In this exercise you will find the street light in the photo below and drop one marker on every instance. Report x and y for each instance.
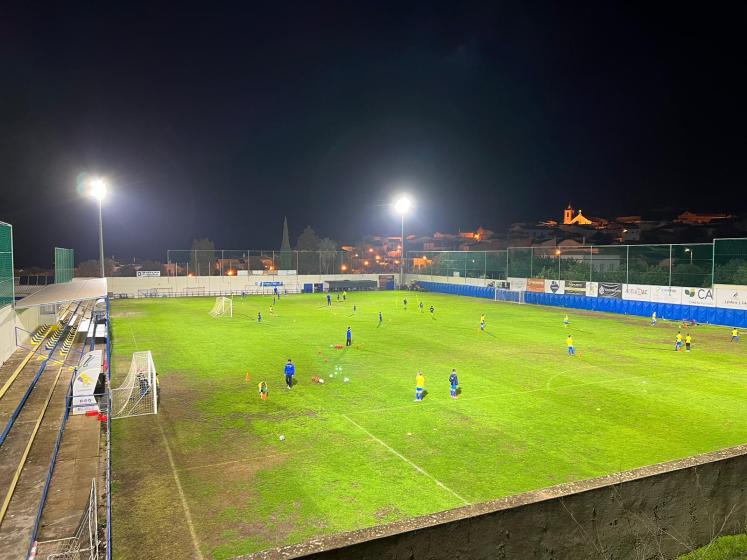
(402, 206)
(688, 250)
(97, 189)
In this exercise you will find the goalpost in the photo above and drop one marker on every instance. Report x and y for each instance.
(222, 306)
(138, 393)
(510, 296)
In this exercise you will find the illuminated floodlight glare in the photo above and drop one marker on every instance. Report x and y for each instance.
(403, 204)
(97, 189)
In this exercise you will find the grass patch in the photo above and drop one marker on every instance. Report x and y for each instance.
(528, 416)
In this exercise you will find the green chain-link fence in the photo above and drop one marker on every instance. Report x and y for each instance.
(7, 294)
(688, 265)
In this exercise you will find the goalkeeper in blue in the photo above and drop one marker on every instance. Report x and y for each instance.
(454, 383)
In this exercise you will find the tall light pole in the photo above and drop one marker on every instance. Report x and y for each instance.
(688, 250)
(97, 189)
(402, 206)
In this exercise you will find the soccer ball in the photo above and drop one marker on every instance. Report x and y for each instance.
(321, 381)
(346, 380)
(330, 376)
(282, 438)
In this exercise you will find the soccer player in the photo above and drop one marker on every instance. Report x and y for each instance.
(329, 299)
(355, 308)
(338, 296)
(482, 322)
(344, 295)
(263, 390)
(381, 319)
(420, 305)
(678, 342)
(419, 386)
(404, 301)
(290, 371)
(734, 335)
(569, 344)
(566, 322)
(275, 293)
(688, 341)
(432, 310)
(259, 316)
(272, 311)
(348, 337)
(454, 382)
(653, 319)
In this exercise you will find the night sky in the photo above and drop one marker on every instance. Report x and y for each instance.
(217, 122)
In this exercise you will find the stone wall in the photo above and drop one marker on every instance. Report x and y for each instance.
(657, 512)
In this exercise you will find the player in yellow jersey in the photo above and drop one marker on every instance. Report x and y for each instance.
(688, 342)
(678, 342)
(263, 390)
(419, 386)
(569, 344)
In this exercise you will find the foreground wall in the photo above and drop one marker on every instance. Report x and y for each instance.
(177, 284)
(658, 512)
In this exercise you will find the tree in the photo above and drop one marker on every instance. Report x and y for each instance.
(286, 256)
(328, 255)
(203, 257)
(308, 240)
(91, 268)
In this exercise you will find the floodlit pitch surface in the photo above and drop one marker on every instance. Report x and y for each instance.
(211, 473)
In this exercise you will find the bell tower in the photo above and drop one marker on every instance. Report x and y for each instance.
(568, 214)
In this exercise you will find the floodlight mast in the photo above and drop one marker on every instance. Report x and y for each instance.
(97, 189)
(402, 206)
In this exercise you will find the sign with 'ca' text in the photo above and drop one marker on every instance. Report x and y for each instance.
(554, 286)
(703, 297)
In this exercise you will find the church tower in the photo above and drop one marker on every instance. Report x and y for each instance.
(568, 215)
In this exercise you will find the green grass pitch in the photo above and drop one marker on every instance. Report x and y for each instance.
(210, 470)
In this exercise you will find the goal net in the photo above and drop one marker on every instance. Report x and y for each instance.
(83, 545)
(511, 296)
(138, 393)
(222, 306)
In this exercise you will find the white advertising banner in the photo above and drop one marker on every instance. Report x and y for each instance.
(591, 289)
(703, 297)
(732, 298)
(666, 294)
(148, 273)
(637, 292)
(87, 374)
(518, 284)
(554, 286)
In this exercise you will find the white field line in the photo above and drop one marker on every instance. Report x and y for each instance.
(405, 459)
(187, 514)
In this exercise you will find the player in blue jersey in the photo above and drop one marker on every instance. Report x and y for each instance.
(454, 383)
(290, 371)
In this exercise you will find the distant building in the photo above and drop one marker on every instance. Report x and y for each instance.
(692, 218)
(578, 219)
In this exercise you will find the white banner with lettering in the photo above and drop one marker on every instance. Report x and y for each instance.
(702, 297)
(637, 292)
(518, 284)
(666, 294)
(732, 298)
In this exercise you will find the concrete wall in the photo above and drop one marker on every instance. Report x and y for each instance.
(657, 512)
(463, 280)
(131, 286)
(27, 319)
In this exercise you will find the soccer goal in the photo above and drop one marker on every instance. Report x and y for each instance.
(511, 296)
(138, 394)
(222, 306)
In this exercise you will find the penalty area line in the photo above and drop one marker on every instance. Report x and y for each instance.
(405, 459)
(185, 507)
